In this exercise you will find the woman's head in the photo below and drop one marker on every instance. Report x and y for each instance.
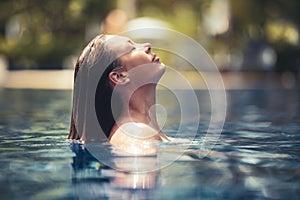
(118, 56)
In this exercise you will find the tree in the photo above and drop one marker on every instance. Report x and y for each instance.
(41, 33)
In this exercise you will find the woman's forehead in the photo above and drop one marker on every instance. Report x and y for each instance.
(116, 38)
(119, 44)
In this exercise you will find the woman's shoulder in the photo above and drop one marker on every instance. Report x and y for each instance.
(135, 138)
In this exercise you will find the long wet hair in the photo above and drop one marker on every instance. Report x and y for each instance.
(91, 56)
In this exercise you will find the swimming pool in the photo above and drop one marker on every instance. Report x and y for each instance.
(256, 157)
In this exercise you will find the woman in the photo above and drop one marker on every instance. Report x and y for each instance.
(125, 94)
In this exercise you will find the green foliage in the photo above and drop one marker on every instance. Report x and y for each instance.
(43, 32)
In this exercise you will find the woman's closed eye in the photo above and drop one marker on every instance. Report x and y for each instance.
(138, 48)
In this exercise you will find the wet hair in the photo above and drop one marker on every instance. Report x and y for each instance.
(99, 58)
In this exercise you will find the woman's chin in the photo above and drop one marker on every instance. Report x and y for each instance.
(162, 69)
(163, 66)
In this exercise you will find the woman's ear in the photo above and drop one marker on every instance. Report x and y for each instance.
(119, 78)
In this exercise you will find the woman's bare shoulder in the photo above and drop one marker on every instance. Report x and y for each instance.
(135, 138)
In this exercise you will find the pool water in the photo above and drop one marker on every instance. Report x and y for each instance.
(257, 156)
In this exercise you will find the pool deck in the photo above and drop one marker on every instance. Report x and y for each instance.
(63, 80)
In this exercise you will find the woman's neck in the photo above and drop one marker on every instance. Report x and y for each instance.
(140, 106)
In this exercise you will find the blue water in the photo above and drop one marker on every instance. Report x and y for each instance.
(257, 155)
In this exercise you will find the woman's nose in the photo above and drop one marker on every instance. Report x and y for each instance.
(147, 47)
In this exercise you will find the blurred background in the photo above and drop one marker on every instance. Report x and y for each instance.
(255, 43)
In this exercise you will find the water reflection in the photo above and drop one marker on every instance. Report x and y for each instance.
(253, 169)
(99, 180)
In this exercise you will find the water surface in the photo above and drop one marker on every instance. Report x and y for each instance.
(256, 157)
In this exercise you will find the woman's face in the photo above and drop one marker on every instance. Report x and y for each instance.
(137, 58)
